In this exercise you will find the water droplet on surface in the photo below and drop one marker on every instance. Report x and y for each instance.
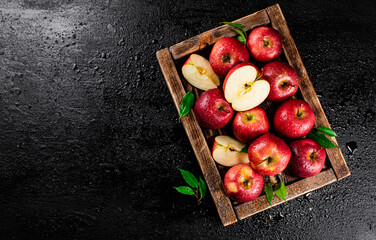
(352, 146)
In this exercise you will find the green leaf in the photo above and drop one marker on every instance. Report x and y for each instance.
(186, 104)
(327, 131)
(241, 39)
(202, 187)
(237, 25)
(189, 178)
(280, 190)
(243, 150)
(185, 190)
(269, 193)
(321, 139)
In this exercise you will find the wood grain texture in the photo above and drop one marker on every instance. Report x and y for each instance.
(197, 140)
(305, 86)
(208, 38)
(293, 190)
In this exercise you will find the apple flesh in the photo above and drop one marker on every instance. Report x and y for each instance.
(248, 125)
(225, 54)
(294, 119)
(269, 155)
(264, 43)
(244, 87)
(283, 80)
(212, 110)
(198, 72)
(226, 151)
(242, 183)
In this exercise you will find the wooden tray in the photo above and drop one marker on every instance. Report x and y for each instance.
(172, 58)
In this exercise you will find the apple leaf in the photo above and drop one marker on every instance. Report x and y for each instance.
(269, 193)
(327, 131)
(237, 25)
(189, 178)
(242, 38)
(202, 187)
(185, 190)
(186, 104)
(243, 150)
(280, 190)
(321, 139)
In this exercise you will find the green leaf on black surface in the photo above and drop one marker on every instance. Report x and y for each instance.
(186, 104)
(280, 190)
(243, 150)
(327, 131)
(202, 187)
(269, 193)
(237, 25)
(185, 190)
(321, 139)
(189, 178)
(242, 38)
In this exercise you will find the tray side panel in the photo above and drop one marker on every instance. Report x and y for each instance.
(293, 190)
(207, 38)
(197, 140)
(305, 85)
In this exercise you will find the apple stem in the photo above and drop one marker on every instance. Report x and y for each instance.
(314, 154)
(300, 111)
(220, 108)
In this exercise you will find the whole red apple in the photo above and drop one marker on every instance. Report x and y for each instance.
(264, 43)
(242, 183)
(294, 118)
(226, 53)
(269, 155)
(307, 158)
(212, 110)
(248, 125)
(283, 80)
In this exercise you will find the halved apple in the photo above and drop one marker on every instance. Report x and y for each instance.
(226, 151)
(244, 87)
(198, 72)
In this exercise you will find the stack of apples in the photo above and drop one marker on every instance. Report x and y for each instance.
(245, 87)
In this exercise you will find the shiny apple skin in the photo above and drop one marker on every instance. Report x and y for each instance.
(307, 159)
(265, 147)
(287, 121)
(256, 44)
(211, 109)
(236, 189)
(248, 125)
(225, 54)
(283, 80)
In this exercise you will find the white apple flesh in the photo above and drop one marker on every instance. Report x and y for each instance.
(244, 88)
(198, 72)
(226, 151)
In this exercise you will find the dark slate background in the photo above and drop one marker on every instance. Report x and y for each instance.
(89, 138)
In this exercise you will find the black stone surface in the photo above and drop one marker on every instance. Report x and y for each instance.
(89, 138)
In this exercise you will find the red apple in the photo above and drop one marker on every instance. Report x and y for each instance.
(226, 151)
(198, 72)
(244, 87)
(242, 183)
(283, 80)
(307, 158)
(248, 125)
(294, 118)
(226, 53)
(269, 155)
(212, 110)
(264, 43)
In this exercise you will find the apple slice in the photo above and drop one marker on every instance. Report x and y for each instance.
(198, 72)
(226, 151)
(244, 87)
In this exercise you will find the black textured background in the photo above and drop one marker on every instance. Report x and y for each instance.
(89, 138)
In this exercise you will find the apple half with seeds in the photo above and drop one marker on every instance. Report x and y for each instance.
(198, 72)
(226, 151)
(245, 87)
